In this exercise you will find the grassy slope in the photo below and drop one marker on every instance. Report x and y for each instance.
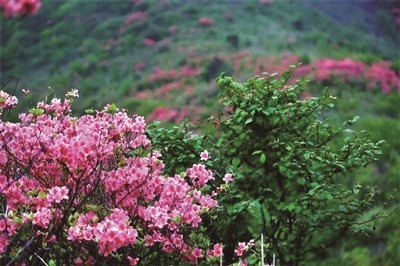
(63, 46)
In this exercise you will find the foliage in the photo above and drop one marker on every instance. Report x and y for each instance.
(290, 180)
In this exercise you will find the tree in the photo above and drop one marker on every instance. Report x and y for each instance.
(290, 167)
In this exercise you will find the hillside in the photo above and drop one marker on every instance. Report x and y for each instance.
(160, 59)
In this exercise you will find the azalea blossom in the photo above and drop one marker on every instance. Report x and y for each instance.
(228, 178)
(204, 156)
(57, 194)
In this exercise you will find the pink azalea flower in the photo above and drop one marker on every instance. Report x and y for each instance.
(204, 155)
(57, 194)
(228, 178)
(240, 249)
(42, 217)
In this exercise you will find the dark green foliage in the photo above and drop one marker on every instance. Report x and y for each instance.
(233, 40)
(290, 180)
(280, 150)
(216, 66)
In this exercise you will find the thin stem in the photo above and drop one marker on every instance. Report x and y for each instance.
(262, 249)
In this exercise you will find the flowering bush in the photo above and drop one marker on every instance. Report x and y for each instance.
(90, 189)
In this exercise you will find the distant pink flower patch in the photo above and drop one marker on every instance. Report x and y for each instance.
(206, 21)
(140, 66)
(189, 71)
(380, 75)
(143, 95)
(266, 2)
(13, 8)
(395, 11)
(135, 17)
(149, 42)
(160, 75)
(163, 113)
(171, 86)
(303, 70)
(346, 68)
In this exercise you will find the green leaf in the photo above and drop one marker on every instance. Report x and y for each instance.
(89, 111)
(262, 158)
(275, 120)
(36, 111)
(248, 120)
(42, 195)
(112, 108)
(235, 161)
(301, 180)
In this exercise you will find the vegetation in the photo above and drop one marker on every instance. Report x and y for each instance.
(307, 173)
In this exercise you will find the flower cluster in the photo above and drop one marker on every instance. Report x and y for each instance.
(92, 181)
(243, 246)
(7, 101)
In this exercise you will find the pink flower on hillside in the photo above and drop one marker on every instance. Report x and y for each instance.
(163, 113)
(205, 21)
(14, 8)
(57, 194)
(140, 66)
(204, 156)
(149, 42)
(266, 2)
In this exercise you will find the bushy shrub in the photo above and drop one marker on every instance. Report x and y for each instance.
(91, 190)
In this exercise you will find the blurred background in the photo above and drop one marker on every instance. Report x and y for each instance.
(160, 59)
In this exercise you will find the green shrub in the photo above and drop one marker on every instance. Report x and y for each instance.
(288, 176)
